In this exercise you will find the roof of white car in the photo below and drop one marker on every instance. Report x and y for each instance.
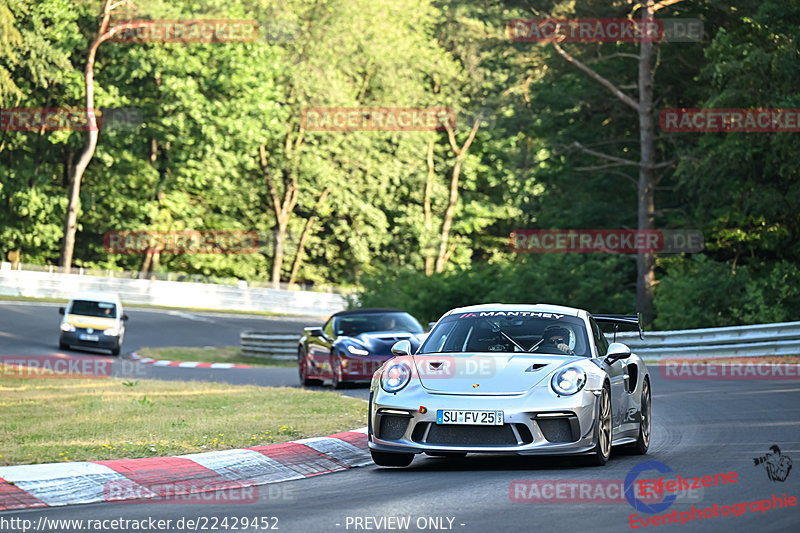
(541, 308)
(97, 296)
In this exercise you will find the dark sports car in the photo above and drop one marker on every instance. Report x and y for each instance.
(352, 345)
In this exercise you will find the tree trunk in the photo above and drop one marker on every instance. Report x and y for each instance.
(298, 258)
(71, 219)
(447, 222)
(426, 208)
(283, 206)
(645, 262)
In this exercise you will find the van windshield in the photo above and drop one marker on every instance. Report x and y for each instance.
(90, 308)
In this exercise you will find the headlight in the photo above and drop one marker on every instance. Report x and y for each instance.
(113, 332)
(67, 327)
(356, 351)
(568, 381)
(395, 376)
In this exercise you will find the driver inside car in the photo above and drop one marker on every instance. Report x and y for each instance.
(556, 338)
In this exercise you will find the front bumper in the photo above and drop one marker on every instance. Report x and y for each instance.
(537, 422)
(106, 342)
(361, 368)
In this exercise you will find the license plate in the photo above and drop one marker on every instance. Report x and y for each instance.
(85, 337)
(469, 418)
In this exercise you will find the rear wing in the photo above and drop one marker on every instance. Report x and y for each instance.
(624, 320)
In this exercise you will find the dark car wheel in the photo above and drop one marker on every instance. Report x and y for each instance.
(645, 425)
(391, 459)
(63, 345)
(603, 431)
(116, 350)
(302, 368)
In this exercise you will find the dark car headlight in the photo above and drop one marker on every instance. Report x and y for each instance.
(568, 381)
(395, 376)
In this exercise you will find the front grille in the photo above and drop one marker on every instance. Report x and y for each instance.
(461, 435)
(558, 429)
(392, 427)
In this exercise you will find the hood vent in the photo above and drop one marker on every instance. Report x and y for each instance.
(534, 367)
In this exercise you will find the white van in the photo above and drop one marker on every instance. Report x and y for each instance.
(94, 320)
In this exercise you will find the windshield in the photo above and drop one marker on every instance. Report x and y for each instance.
(92, 308)
(509, 331)
(352, 325)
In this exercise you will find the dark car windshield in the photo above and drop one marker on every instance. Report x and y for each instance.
(92, 308)
(352, 325)
(509, 331)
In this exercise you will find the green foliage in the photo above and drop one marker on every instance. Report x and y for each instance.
(207, 108)
(593, 282)
(705, 293)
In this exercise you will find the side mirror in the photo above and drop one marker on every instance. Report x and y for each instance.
(314, 332)
(617, 351)
(61, 310)
(124, 317)
(401, 348)
(430, 325)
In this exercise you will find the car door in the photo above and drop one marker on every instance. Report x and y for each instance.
(319, 351)
(617, 375)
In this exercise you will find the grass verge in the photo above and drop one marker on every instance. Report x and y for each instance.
(216, 354)
(53, 420)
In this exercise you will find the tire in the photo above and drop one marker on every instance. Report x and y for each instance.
(642, 444)
(302, 370)
(336, 370)
(604, 429)
(391, 459)
(63, 345)
(115, 351)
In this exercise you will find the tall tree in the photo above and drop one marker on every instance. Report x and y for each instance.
(645, 261)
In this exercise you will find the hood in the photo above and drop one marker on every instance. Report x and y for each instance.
(95, 322)
(507, 373)
(381, 342)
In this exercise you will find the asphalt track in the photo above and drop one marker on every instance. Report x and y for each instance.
(700, 428)
(32, 329)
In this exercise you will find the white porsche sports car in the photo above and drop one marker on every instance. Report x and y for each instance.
(502, 378)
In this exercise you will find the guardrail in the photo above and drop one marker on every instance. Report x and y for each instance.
(760, 340)
(269, 345)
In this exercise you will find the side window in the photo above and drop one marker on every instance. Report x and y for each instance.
(327, 329)
(599, 339)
